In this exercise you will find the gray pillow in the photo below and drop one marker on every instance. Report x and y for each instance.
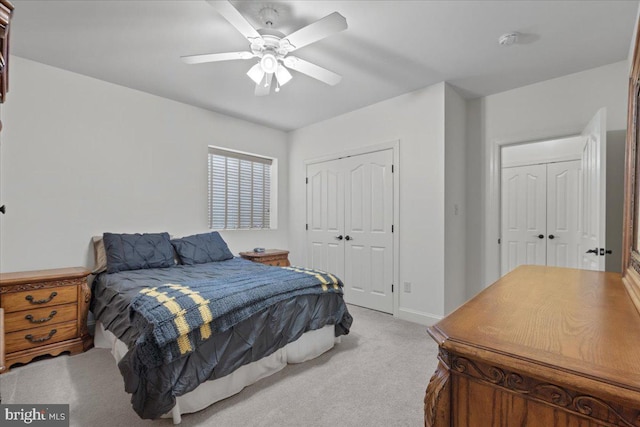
(201, 248)
(137, 251)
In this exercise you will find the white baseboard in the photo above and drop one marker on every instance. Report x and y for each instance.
(417, 316)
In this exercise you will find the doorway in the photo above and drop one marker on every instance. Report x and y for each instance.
(553, 201)
(540, 215)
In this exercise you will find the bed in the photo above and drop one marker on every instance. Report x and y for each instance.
(189, 324)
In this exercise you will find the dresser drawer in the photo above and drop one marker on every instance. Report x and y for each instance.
(43, 335)
(17, 301)
(43, 316)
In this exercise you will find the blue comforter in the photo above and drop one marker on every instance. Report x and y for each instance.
(176, 318)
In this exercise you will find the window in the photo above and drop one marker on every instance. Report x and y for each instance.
(239, 190)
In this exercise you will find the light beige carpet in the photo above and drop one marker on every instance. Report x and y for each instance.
(376, 377)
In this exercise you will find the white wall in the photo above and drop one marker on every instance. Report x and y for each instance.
(417, 120)
(546, 110)
(82, 156)
(454, 200)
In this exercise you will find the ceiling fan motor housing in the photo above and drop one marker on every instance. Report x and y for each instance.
(270, 41)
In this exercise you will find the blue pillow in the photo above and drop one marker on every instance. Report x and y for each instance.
(137, 251)
(201, 248)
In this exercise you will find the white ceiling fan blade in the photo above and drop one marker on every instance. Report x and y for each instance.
(236, 19)
(320, 29)
(264, 87)
(215, 57)
(312, 70)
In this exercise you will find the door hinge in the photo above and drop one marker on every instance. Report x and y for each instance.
(392, 228)
(306, 180)
(392, 288)
(499, 241)
(391, 168)
(306, 226)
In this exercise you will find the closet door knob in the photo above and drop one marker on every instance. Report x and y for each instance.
(339, 237)
(348, 238)
(540, 236)
(551, 236)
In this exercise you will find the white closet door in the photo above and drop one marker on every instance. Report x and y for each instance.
(325, 217)
(524, 216)
(593, 194)
(562, 214)
(349, 220)
(368, 221)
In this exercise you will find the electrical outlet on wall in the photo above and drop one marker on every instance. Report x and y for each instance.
(407, 287)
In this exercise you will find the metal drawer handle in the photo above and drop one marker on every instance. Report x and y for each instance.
(44, 319)
(40, 301)
(31, 339)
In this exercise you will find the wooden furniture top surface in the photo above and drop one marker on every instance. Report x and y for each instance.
(267, 252)
(22, 277)
(576, 321)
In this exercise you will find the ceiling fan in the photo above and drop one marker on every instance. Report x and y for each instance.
(273, 48)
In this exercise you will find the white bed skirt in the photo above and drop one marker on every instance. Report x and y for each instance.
(309, 346)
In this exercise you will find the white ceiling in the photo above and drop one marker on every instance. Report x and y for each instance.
(390, 48)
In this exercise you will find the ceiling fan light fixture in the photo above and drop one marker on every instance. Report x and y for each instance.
(283, 75)
(256, 73)
(269, 63)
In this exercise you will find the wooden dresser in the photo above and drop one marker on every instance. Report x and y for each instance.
(544, 347)
(45, 312)
(2, 363)
(277, 257)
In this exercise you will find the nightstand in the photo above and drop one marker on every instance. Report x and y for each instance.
(277, 257)
(45, 312)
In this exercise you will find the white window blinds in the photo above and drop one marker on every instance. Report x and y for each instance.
(239, 190)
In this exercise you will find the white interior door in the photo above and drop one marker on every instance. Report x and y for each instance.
(349, 220)
(325, 217)
(592, 194)
(524, 216)
(368, 236)
(562, 214)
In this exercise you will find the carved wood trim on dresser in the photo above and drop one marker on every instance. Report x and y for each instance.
(45, 312)
(543, 346)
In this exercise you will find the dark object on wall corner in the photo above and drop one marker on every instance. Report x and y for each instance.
(6, 12)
